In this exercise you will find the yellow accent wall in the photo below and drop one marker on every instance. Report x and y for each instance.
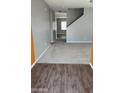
(32, 49)
(92, 55)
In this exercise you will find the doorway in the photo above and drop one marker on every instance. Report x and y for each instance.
(61, 29)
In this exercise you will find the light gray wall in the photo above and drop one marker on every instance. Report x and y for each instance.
(82, 29)
(40, 17)
(52, 26)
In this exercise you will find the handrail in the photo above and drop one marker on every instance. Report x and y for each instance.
(75, 19)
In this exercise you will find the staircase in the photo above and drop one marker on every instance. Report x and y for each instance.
(80, 28)
(73, 14)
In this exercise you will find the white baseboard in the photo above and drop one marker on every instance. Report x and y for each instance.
(40, 56)
(91, 65)
(79, 41)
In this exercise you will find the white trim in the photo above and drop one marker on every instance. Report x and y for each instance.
(91, 65)
(79, 41)
(40, 56)
(61, 17)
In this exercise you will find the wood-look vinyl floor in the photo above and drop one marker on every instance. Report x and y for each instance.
(61, 78)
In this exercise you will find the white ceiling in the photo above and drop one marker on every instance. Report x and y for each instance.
(63, 5)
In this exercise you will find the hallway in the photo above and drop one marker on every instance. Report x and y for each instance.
(67, 53)
(62, 36)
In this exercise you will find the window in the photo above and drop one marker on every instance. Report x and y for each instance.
(63, 25)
